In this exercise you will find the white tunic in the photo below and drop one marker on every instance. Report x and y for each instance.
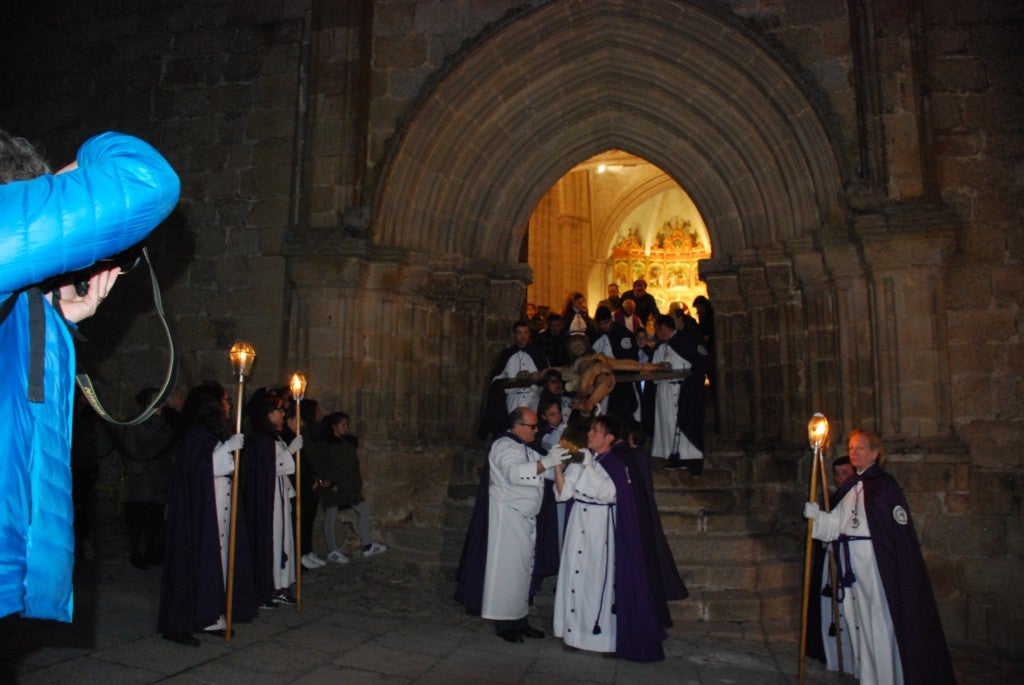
(519, 397)
(223, 467)
(586, 576)
(667, 436)
(876, 657)
(842, 626)
(284, 531)
(515, 495)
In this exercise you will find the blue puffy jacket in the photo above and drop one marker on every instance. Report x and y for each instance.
(51, 225)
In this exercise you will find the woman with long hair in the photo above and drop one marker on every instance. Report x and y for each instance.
(193, 596)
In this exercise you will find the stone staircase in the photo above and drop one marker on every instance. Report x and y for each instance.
(736, 534)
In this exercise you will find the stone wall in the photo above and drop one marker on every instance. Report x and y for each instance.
(873, 272)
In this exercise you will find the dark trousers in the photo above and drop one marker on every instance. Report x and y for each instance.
(310, 503)
(145, 523)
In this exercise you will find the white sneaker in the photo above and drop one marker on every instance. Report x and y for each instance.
(375, 548)
(317, 559)
(338, 557)
(308, 561)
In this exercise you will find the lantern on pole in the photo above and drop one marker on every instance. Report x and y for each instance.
(298, 388)
(242, 356)
(817, 436)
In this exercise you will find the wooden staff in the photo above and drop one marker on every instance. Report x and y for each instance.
(298, 510)
(817, 431)
(811, 497)
(242, 357)
(234, 514)
(298, 387)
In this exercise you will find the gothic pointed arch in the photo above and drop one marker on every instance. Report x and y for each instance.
(673, 83)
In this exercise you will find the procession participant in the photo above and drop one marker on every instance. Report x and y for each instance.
(822, 626)
(519, 360)
(193, 593)
(616, 573)
(678, 422)
(615, 340)
(498, 559)
(896, 631)
(269, 461)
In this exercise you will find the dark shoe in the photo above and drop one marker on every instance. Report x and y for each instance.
(182, 639)
(674, 462)
(268, 605)
(510, 636)
(530, 631)
(284, 598)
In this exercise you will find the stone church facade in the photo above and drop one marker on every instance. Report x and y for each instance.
(358, 178)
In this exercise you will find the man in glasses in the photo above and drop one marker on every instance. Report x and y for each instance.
(512, 489)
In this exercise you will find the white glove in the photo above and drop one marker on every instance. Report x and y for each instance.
(295, 445)
(556, 455)
(235, 442)
(811, 510)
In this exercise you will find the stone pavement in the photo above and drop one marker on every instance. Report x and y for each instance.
(371, 621)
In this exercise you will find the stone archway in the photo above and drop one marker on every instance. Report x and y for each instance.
(689, 91)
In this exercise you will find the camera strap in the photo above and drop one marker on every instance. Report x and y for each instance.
(85, 383)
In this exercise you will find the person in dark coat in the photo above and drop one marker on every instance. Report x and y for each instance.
(341, 485)
(193, 594)
(895, 627)
(646, 305)
(552, 341)
(146, 449)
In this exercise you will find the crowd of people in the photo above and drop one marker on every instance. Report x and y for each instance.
(176, 489)
(592, 523)
(627, 334)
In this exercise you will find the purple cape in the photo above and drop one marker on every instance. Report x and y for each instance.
(192, 594)
(908, 591)
(259, 473)
(645, 575)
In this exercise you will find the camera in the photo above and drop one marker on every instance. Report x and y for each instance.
(126, 261)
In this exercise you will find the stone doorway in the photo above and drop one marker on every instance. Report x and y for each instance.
(696, 96)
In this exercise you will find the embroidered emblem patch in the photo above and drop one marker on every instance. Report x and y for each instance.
(900, 514)
(627, 343)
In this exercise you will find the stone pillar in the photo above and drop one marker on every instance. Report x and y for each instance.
(732, 347)
(907, 253)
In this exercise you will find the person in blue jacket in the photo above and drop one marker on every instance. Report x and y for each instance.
(116, 191)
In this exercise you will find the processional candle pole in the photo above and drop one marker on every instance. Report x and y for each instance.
(817, 436)
(298, 388)
(242, 357)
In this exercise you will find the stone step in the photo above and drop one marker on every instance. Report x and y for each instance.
(740, 576)
(738, 606)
